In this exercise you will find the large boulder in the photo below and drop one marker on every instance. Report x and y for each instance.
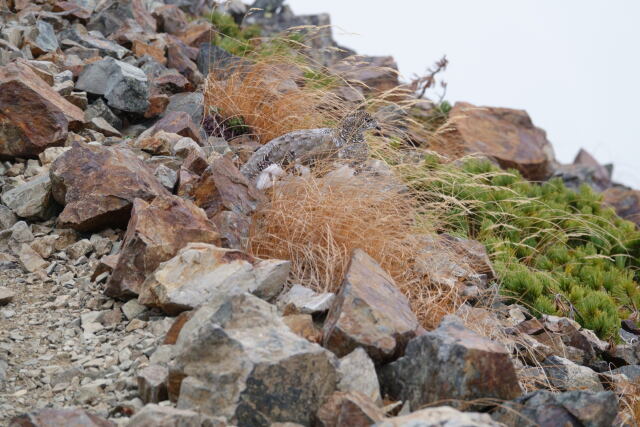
(237, 359)
(33, 116)
(440, 416)
(369, 312)
(31, 200)
(201, 272)
(155, 233)
(124, 86)
(451, 362)
(625, 201)
(97, 186)
(573, 408)
(504, 134)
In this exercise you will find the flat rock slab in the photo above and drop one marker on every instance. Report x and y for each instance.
(97, 186)
(504, 134)
(451, 362)
(33, 116)
(155, 233)
(369, 312)
(202, 272)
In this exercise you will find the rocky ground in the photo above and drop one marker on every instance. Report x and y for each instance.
(127, 296)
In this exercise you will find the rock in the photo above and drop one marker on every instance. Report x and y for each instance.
(372, 73)
(174, 122)
(114, 14)
(190, 103)
(222, 187)
(21, 233)
(132, 309)
(31, 200)
(233, 229)
(357, 372)
(505, 134)
(566, 375)
(78, 33)
(625, 201)
(124, 86)
(170, 19)
(101, 192)
(181, 57)
(451, 362)
(369, 312)
(152, 383)
(50, 154)
(157, 105)
(166, 176)
(7, 218)
(300, 299)
(573, 408)
(60, 417)
(79, 248)
(201, 272)
(348, 409)
(153, 415)
(155, 233)
(214, 59)
(32, 115)
(30, 259)
(6, 296)
(100, 109)
(440, 416)
(632, 372)
(41, 38)
(303, 326)
(238, 360)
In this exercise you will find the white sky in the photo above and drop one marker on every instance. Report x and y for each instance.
(574, 65)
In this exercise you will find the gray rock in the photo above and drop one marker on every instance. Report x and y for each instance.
(573, 408)
(132, 309)
(153, 415)
(6, 296)
(212, 58)
(166, 176)
(188, 102)
(21, 232)
(451, 362)
(238, 360)
(31, 200)
(79, 34)
(441, 416)
(114, 14)
(41, 38)
(152, 383)
(124, 86)
(79, 248)
(630, 371)
(30, 259)
(566, 375)
(201, 272)
(100, 109)
(7, 218)
(357, 372)
(305, 300)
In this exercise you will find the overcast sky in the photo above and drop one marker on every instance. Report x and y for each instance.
(574, 65)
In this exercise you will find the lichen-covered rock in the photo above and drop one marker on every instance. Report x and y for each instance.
(504, 134)
(202, 272)
(238, 360)
(572, 408)
(155, 233)
(97, 186)
(32, 115)
(124, 86)
(451, 362)
(369, 312)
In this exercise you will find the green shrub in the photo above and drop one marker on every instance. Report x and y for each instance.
(559, 251)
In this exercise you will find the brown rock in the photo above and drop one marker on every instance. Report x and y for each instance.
(302, 325)
(72, 9)
(369, 312)
(177, 122)
(33, 116)
(222, 187)
(233, 229)
(157, 105)
(182, 58)
(60, 417)
(106, 265)
(351, 409)
(155, 233)
(625, 201)
(451, 363)
(170, 19)
(171, 83)
(141, 48)
(196, 33)
(373, 73)
(507, 135)
(97, 186)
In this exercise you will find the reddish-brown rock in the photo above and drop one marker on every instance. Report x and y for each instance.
(350, 409)
(369, 312)
(373, 73)
(222, 187)
(155, 233)
(157, 105)
(177, 122)
(141, 48)
(97, 186)
(504, 134)
(171, 83)
(32, 115)
(197, 33)
(625, 201)
(72, 9)
(170, 19)
(182, 58)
